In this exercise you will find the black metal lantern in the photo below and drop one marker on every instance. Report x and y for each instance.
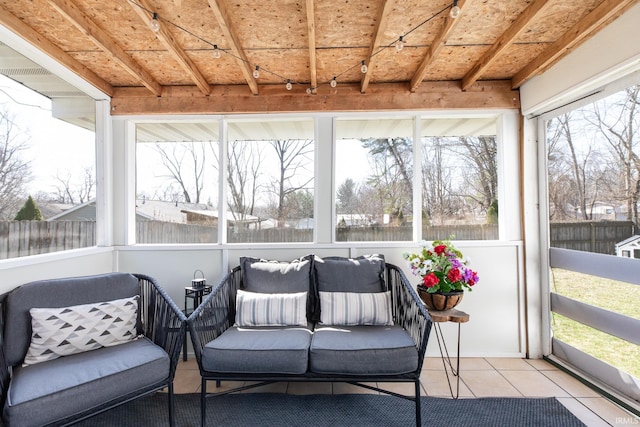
(198, 282)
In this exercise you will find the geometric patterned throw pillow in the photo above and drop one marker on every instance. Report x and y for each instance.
(349, 308)
(69, 330)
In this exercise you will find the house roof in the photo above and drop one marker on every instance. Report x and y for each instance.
(474, 60)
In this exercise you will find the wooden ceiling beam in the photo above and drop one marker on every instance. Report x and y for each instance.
(18, 26)
(437, 45)
(503, 42)
(381, 26)
(583, 29)
(311, 35)
(166, 38)
(101, 39)
(235, 99)
(223, 17)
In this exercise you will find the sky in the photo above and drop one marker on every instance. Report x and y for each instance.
(58, 148)
(54, 147)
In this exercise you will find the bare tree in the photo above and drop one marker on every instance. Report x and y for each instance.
(437, 183)
(293, 156)
(391, 162)
(15, 172)
(184, 162)
(68, 190)
(243, 172)
(619, 124)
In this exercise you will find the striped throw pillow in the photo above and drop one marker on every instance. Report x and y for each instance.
(260, 309)
(350, 308)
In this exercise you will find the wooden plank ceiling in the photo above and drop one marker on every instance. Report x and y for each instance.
(204, 54)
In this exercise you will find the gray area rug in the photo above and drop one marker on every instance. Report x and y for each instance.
(279, 410)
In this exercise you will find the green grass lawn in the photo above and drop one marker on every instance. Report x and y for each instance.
(611, 295)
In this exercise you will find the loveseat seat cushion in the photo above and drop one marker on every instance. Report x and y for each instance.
(362, 350)
(273, 350)
(56, 389)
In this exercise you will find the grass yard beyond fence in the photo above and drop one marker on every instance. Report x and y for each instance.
(620, 297)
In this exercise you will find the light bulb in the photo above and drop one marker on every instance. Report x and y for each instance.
(289, 86)
(363, 68)
(154, 24)
(256, 72)
(334, 82)
(400, 44)
(309, 91)
(455, 10)
(216, 51)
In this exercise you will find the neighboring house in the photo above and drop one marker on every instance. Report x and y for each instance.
(354, 220)
(629, 248)
(209, 217)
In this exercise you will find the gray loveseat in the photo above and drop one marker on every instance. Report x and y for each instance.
(313, 319)
(74, 347)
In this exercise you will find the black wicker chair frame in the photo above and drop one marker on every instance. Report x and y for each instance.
(161, 321)
(217, 313)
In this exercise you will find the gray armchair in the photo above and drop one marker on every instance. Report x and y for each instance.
(77, 386)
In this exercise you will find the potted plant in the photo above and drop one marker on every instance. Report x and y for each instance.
(445, 273)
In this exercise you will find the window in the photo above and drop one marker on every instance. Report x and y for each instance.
(459, 178)
(270, 181)
(594, 174)
(177, 182)
(47, 170)
(374, 179)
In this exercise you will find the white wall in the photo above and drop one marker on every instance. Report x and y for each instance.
(78, 262)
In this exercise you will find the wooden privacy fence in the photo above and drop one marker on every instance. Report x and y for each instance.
(590, 236)
(23, 238)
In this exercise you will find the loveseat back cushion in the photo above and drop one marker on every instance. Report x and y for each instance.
(47, 392)
(264, 350)
(57, 293)
(261, 309)
(260, 275)
(362, 274)
(362, 350)
(356, 308)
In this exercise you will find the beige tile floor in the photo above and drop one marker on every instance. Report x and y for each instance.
(480, 377)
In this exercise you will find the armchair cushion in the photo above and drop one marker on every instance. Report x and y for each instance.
(361, 274)
(362, 350)
(57, 293)
(355, 308)
(57, 388)
(276, 350)
(258, 309)
(69, 330)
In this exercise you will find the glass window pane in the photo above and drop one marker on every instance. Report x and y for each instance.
(270, 180)
(593, 175)
(374, 179)
(177, 182)
(459, 179)
(47, 170)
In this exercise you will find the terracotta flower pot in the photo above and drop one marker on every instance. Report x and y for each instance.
(440, 301)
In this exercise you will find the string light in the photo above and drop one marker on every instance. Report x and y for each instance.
(216, 51)
(455, 10)
(154, 24)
